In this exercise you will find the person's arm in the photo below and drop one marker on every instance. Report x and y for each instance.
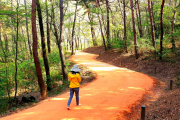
(69, 76)
(79, 78)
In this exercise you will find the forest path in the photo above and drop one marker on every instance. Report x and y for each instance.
(106, 98)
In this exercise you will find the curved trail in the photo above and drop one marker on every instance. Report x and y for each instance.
(114, 90)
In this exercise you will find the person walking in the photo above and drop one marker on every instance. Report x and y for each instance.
(75, 79)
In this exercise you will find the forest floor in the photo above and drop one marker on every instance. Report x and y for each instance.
(164, 103)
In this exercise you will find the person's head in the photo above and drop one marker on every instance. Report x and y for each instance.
(75, 69)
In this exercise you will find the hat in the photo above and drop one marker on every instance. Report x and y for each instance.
(75, 68)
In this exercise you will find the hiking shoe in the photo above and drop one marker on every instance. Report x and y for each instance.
(79, 105)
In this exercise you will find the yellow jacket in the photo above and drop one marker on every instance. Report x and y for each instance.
(74, 80)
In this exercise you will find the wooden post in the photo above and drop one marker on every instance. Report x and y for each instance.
(171, 81)
(155, 70)
(143, 112)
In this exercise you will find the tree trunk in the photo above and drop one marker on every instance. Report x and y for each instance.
(147, 22)
(93, 33)
(12, 29)
(73, 29)
(172, 30)
(79, 33)
(54, 23)
(46, 64)
(48, 31)
(141, 31)
(108, 32)
(27, 30)
(35, 53)
(124, 20)
(134, 32)
(91, 22)
(17, 30)
(104, 42)
(152, 24)
(161, 26)
(125, 36)
(137, 16)
(63, 66)
(51, 22)
(75, 44)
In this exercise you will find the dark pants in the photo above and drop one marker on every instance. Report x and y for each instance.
(72, 90)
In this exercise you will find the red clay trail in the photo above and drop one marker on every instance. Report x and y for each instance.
(114, 90)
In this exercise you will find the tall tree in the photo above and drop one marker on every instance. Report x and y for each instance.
(172, 25)
(140, 23)
(27, 30)
(46, 64)
(108, 28)
(17, 37)
(124, 20)
(54, 22)
(48, 31)
(63, 66)
(151, 23)
(74, 23)
(91, 24)
(161, 26)
(59, 42)
(125, 36)
(35, 53)
(98, 7)
(134, 31)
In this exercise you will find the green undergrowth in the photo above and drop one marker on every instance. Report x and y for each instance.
(146, 49)
(27, 78)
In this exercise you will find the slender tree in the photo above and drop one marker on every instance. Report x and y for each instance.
(104, 42)
(172, 26)
(63, 66)
(124, 20)
(46, 64)
(74, 23)
(151, 23)
(134, 31)
(27, 30)
(35, 53)
(140, 23)
(17, 37)
(12, 28)
(54, 22)
(48, 31)
(161, 26)
(125, 36)
(108, 28)
(59, 42)
(91, 24)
